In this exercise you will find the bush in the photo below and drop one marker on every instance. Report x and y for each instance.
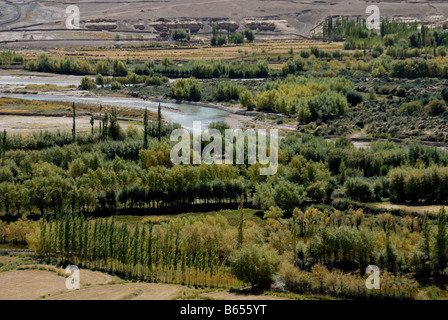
(87, 83)
(354, 97)
(187, 89)
(359, 189)
(100, 80)
(445, 93)
(180, 35)
(247, 99)
(317, 191)
(436, 107)
(120, 68)
(249, 34)
(255, 265)
(115, 85)
(237, 37)
(411, 107)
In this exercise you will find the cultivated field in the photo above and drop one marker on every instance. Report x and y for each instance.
(48, 282)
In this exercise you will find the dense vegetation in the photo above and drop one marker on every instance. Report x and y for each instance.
(316, 223)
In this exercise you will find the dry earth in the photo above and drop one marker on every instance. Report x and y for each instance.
(410, 208)
(38, 284)
(29, 124)
(30, 284)
(31, 23)
(223, 295)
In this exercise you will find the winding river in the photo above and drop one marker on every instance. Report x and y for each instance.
(181, 113)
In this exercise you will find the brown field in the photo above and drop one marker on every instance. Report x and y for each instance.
(29, 284)
(37, 284)
(197, 52)
(42, 283)
(421, 209)
(223, 295)
(129, 291)
(22, 124)
(6, 259)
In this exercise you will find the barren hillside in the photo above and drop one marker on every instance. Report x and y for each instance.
(35, 23)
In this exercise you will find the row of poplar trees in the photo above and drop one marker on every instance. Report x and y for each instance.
(141, 254)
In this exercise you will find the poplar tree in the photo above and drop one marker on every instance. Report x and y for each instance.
(441, 241)
(114, 128)
(92, 122)
(4, 144)
(145, 129)
(426, 234)
(240, 225)
(74, 122)
(159, 122)
(101, 109)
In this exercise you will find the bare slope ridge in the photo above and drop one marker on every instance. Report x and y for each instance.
(43, 23)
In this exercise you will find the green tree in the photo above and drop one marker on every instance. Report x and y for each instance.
(92, 122)
(145, 129)
(114, 127)
(440, 244)
(255, 265)
(180, 35)
(247, 99)
(273, 213)
(74, 122)
(436, 107)
(120, 68)
(159, 122)
(87, 83)
(3, 144)
(249, 34)
(100, 80)
(240, 225)
(426, 238)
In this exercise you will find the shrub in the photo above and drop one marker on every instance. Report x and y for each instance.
(436, 107)
(411, 107)
(255, 265)
(180, 35)
(115, 85)
(100, 80)
(120, 68)
(247, 99)
(87, 83)
(359, 189)
(354, 97)
(237, 37)
(187, 89)
(317, 191)
(249, 34)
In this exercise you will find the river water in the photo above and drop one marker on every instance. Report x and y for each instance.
(184, 114)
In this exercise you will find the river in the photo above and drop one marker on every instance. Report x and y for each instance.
(181, 113)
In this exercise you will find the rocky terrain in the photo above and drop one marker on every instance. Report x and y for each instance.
(40, 24)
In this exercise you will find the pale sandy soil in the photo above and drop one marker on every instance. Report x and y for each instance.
(410, 208)
(129, 291)
(28, 124)
(29, 284)
(223, 295)
(6, 259)
(38, 284)
(87, 277)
